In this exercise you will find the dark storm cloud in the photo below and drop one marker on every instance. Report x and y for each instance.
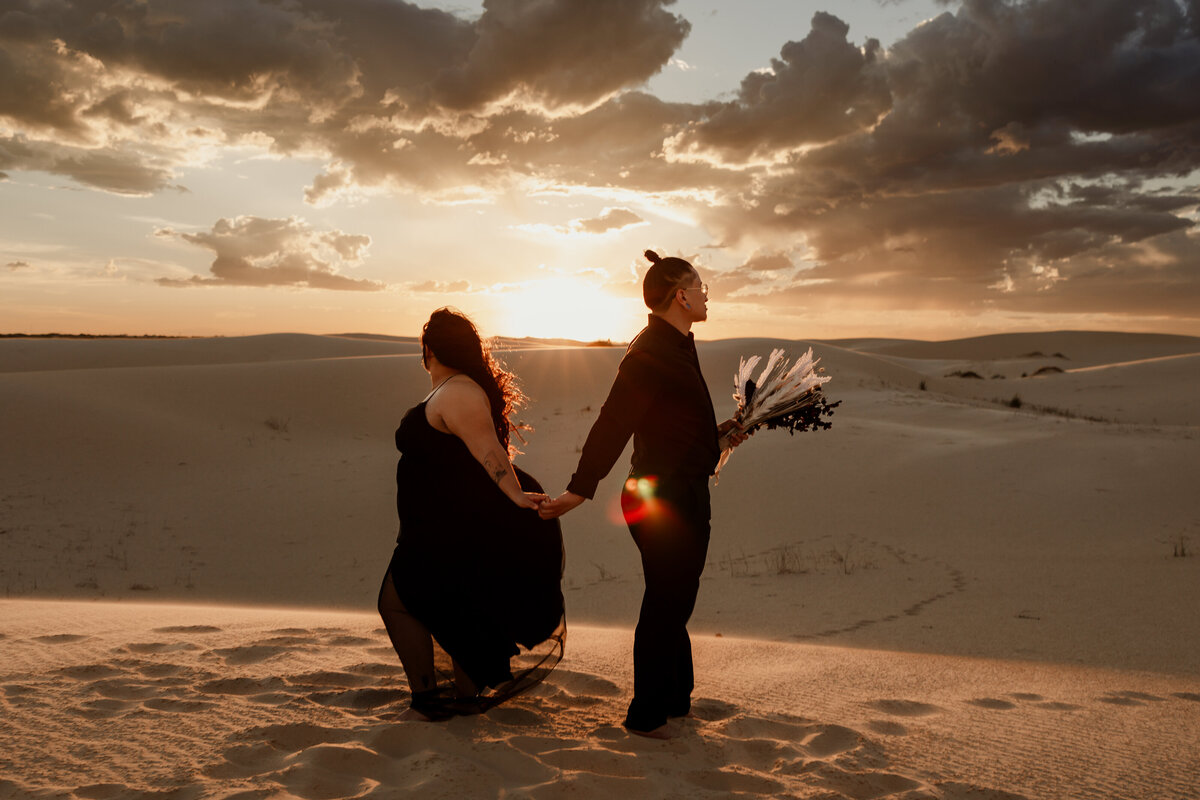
(1013, 168)
(819, 88)
(251, 251)
(381, 84)
(562, 52)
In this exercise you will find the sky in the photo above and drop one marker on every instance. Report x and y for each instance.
(903, 168)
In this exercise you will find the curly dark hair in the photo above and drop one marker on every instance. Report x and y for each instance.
(453, 339)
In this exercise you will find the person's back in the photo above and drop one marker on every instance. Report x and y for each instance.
(660, 398)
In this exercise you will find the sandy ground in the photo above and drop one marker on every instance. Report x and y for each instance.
(943, 596)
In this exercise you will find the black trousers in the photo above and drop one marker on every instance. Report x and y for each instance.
(669, 521)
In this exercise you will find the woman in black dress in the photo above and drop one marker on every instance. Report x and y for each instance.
(474, 568)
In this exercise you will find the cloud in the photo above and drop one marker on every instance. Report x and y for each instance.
(561, 52)
(453, 287)
(610, 219)
(819, 89)
(15, 265)
(1049, 146)
(383, 85)
(118, 170)
(251, 251)
(1008, 156)
(762, 271)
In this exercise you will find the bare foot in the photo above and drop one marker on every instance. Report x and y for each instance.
(412, 714)
(661, 732)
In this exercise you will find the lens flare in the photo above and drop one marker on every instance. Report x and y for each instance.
(637, 501)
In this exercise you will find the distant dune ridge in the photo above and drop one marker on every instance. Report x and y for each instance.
(967, 588)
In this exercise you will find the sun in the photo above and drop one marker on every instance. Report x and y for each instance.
(564, 308)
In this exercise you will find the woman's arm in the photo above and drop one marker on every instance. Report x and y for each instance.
(463, 408)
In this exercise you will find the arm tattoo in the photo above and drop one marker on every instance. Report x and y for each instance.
(496, 466)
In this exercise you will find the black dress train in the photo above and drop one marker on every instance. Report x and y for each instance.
(481, 574)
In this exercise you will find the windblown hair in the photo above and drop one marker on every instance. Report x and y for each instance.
(452, 338)
(662, 279)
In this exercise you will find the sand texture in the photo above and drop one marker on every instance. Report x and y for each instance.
(971, 587)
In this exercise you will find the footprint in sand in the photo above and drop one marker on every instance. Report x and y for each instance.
(271, 698)
(240, 686)
(515, 716)
(712, 710)
(1053, 705)
(781, 728)
(188, 629)
(287, 641)
(293, 737)
(248, 654)
(581, 683)
(951, 790)
(992, 703)
(154, 648)
(60, 638)
(359, 699)
(335, 770)
(104, 708)
(536, 745)
(159, 670)
(341, 680)
(1130, 698)
(122, 689)
(595, 761)
(854, 784)
(904, 708)
(376, 670)
(348, 640)
(175, 705)
(887, 727)
(91, 672)
(831, 740)
(728, 781)
(247, 761)
(381, 652)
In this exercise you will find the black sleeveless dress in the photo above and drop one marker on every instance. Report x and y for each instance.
(482, 575)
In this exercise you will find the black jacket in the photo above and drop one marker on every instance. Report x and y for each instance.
(660, 398)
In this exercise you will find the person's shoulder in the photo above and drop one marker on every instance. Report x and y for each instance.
(459, 391)
(641, 359)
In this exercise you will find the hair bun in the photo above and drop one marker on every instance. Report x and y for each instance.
(653, 256)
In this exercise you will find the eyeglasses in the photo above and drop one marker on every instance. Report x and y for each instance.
(702, 287)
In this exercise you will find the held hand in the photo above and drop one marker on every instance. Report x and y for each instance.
(531, 500)
(732, 434)
(560, 505)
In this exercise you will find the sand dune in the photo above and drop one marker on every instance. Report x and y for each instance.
(1077, 347)
(21, 355)
(231, 702)
(943, 596)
